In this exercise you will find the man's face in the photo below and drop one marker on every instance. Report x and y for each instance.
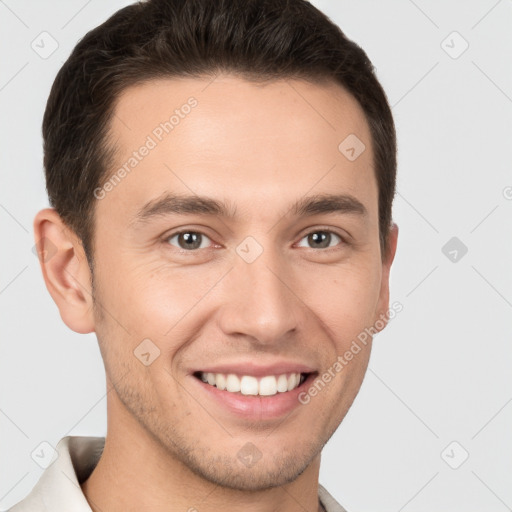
(260, 291)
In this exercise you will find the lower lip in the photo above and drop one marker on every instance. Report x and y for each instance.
(255, 407)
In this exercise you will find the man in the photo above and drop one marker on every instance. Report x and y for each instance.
(221, 175)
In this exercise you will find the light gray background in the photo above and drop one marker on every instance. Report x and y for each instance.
(440, 372)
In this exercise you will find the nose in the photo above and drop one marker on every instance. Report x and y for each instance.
(260, 301)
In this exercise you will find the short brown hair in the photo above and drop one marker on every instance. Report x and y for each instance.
(255, 39)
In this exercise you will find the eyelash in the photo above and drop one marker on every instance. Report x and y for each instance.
(343, 241)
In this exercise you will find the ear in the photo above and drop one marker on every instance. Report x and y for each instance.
(383, 303)
(65, 270)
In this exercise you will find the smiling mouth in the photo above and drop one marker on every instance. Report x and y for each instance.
(268, 385)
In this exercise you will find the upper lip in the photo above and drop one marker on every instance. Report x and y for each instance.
(251, 368)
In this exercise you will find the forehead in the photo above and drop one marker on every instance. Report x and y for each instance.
(239, 140)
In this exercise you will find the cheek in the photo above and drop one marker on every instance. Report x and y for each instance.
(149, 299)
(153, 299)
(345, 299)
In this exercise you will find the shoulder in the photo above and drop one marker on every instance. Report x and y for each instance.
(329, 503)
(58, 489)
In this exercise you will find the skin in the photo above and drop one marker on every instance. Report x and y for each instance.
(259, 148)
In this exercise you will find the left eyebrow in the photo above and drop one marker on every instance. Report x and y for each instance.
(169, 204)
(329, 203)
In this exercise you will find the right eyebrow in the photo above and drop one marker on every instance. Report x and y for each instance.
(169, 204)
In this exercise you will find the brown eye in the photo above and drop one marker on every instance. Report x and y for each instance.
(321, 239)
(189, 240)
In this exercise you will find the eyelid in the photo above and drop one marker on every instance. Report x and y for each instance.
(344, 235)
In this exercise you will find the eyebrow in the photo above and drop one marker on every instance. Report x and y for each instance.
(169, 204)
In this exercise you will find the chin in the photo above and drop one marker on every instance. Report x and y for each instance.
(263, 477)
(268, 471)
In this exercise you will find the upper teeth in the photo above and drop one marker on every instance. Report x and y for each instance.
(249, 385)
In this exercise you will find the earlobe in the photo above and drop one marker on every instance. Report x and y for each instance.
(65, 270)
